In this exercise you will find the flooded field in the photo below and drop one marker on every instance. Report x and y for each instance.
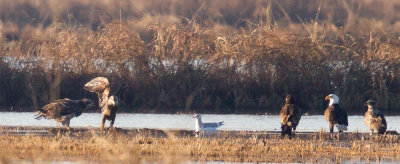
(169, 138)
(186, 122)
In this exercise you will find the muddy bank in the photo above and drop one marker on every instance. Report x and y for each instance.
(390, 136)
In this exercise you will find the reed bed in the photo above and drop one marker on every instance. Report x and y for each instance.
(202, 56)
(187, 68)
(142, 148)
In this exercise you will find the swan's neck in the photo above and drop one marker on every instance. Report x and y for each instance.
(199, 124)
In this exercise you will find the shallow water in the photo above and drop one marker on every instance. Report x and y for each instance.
(186, 122)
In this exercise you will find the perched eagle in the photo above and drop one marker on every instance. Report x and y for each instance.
(290, 116)
(108, 104)
(375, 119)
(63, 110)
(335, 115)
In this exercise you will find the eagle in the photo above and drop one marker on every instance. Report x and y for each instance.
(335, 115)
(290, 116)
(63, 110)
(108, 104)
(374, 119)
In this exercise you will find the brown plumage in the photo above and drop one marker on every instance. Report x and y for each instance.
(335, 115)
(374, 119)
(63, 110)
(290, 116)
(108, 104)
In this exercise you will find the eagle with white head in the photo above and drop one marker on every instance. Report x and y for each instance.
(108, 104)
(335, 115)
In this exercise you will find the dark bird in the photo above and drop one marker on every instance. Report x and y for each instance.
(108, 104)
(290, 116)
(335, 115)
(63, 110)
(374, 119)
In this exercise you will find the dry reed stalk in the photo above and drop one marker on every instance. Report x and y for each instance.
(143, 148)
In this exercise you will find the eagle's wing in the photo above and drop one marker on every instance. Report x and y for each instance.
(58, 109)
(380, 120)
(383, 128)
(340, 116)
(51, 110)
(383, 119)
(119, 93)
(295, 115)
(97, 84)
(71, 108)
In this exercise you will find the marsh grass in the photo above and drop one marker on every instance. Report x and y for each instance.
(142, 148)
(162, 146)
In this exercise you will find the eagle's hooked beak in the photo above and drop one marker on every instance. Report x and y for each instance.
(327, 97)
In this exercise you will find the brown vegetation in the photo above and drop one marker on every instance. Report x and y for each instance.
(142, 147)
(205, 56)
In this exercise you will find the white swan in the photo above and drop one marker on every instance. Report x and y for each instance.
(201, 127)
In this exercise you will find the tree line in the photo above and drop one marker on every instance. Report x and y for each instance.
(187, 68)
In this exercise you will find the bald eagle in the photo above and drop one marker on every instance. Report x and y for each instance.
(374, 119)
(63, 110)
(290, 116)
(335, 115)
(108, 104)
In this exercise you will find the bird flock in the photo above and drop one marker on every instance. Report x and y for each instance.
(63, 110)
(290, 116)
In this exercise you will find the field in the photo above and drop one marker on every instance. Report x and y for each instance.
(147, 145)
